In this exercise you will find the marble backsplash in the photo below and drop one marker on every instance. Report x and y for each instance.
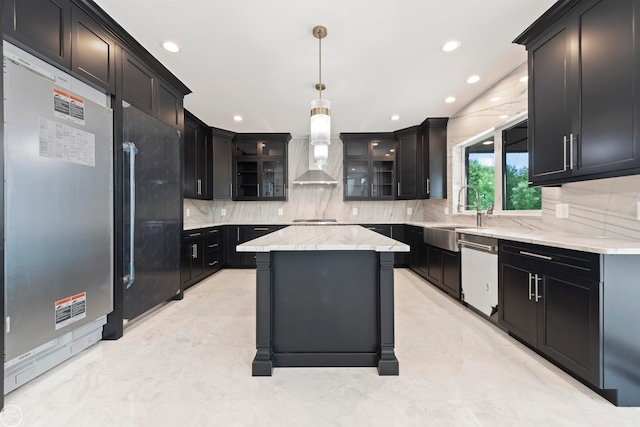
(606, 207)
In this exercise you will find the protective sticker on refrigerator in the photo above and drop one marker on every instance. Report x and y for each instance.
(67, 106)
(62, 142)
(72, 309)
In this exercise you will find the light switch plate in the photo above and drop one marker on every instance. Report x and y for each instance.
(280, 212)
(223, 212)
(354, 211)
(409, 211)
(188, 212)
(562, 210)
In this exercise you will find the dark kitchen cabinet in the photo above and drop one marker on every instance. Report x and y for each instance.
(550, 299)
(202, 254)
(260, 166)
(222, 164)
(238, 234)
(369, 166)
(584, 111)
(198, 159)
(443, 269)
(407, 163)
(92, 51)
(41, 26)
(192, 267)
(418, 250)
(432, 152)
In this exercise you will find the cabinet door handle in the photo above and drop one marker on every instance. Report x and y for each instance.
(199, 190)
(372, 189)
(398, 188)
(238, 233)
(194, 250)
(258, 190)
(230, 189)
(530, 286)
(538, 297)
(571, 151)
(564, 151)
(547, 258)
(428, 186)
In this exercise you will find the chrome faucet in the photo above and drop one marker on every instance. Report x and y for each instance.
(478, 212)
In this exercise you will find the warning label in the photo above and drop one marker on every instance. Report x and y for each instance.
(67, 106)
(72, 309)
(62, 142)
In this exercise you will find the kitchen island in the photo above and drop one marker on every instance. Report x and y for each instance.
(324, 298)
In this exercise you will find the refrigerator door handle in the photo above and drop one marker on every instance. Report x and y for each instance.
(130, 149)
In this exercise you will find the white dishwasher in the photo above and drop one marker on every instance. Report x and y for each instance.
(479, 265)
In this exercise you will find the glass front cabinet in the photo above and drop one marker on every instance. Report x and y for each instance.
(260, 166)
(369, 166)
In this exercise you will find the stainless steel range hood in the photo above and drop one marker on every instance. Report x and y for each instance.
(315, 175)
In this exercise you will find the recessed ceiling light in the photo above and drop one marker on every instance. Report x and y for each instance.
(473, 79)
(395, 117)
(504, 116)
(451, 45)
(495, 99)
(237, 118)
(489, 142)
(171, 47)
(524, 79)
(449, 100)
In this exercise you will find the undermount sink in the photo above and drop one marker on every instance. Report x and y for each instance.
(442, 237)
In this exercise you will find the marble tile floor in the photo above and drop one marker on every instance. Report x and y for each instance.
(189, 364)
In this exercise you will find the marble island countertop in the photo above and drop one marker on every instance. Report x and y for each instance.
(323, 238)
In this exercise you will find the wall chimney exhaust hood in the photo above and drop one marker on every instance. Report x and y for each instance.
(315, 175)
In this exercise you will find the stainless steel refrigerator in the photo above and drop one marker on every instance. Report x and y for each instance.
(59, 215)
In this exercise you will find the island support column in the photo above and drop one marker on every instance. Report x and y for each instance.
(388, 363)
(262, 364)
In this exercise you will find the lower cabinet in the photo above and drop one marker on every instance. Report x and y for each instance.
(200, 256)
(418, 253)
(238, 234)
(550, 299)
(443, 269)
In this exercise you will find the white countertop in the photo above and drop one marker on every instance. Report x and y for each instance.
(594, 244)
(323, 238)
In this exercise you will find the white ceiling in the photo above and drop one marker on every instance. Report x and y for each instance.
(259, 59)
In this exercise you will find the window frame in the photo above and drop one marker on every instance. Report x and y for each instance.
(499, 184)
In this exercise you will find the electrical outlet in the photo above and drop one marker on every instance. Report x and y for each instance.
(280, 212)
(446, 211)
(562, 210)
(354, 211)
(188, 212)
(223, 212)
(409, 211)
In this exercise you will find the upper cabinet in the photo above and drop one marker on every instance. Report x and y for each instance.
(222, 164)
(41, 26)
(369, 166)
(198, 159)
(584, 96)
(421, 160)
(260, 166)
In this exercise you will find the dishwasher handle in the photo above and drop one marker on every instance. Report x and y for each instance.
(479, 246)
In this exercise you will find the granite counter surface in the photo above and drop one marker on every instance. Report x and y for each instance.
(323, 238)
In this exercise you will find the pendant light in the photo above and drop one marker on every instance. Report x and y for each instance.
(320, 136)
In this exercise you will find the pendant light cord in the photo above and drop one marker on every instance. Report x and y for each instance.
(320, 66)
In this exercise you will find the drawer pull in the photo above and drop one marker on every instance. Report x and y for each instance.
(212, 231)
(261, 229)
(211, 264)
(548, 258)
(194, 234)
(213, 246)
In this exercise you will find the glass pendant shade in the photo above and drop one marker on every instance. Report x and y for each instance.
(320, 136)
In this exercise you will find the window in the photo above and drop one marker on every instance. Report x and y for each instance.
(496, 162)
